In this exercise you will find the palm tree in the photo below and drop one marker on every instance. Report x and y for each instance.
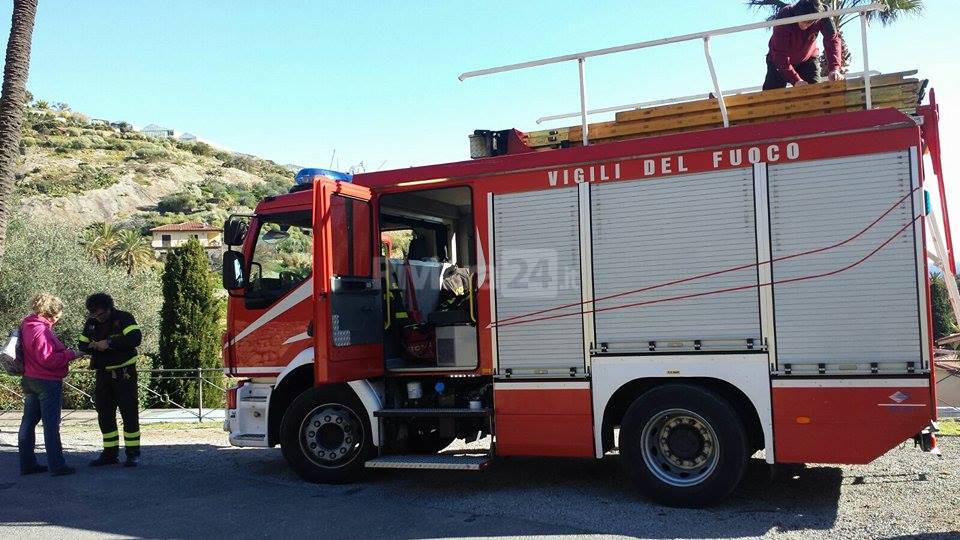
(12, 101)
(895, 9)
(99, 240)
(131, 251)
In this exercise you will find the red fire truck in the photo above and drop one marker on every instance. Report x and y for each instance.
(685, 301)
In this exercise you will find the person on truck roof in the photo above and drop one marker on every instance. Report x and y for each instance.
(794, 58)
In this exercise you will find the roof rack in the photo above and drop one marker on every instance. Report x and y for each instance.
(581, 57)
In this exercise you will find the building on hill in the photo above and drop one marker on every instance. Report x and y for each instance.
(169, 237)
(187, 137)
(158, 132)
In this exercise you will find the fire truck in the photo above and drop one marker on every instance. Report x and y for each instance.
(685, 300)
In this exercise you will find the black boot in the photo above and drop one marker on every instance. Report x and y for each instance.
(132, 460)
(107, 457)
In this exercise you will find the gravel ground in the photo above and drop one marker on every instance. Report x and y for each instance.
(192, 484)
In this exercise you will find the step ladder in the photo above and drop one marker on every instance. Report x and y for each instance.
(465, 459)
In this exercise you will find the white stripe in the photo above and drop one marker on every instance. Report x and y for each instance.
(296, 296)
(258, 369)
(571, 385)
(296, 338)
(852, 383)
(902, 405)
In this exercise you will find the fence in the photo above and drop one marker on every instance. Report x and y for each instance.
(78, 384)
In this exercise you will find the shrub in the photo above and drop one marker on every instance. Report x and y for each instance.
(189, 325)
(59, 184)
(150, 154)
(196, 148)
(183, 202)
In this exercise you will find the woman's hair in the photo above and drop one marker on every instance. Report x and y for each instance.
(46, 305)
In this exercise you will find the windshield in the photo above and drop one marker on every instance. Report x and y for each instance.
(283, 253)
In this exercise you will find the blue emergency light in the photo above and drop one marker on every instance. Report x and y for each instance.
(306, 177)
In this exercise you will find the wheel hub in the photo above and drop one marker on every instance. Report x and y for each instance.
(679, 447)
(331, 435)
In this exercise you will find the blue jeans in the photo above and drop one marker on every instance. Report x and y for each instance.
(42, 401)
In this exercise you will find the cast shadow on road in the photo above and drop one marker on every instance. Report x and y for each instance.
(201, 489)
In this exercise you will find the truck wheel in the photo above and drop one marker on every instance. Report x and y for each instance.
(325, 436)
(683, 445)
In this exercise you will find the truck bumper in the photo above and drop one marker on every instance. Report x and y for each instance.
(246, 418)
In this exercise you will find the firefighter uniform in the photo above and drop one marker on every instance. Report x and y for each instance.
(116, 382)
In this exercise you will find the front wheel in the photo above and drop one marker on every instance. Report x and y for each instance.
(683, 445)
(325, 436)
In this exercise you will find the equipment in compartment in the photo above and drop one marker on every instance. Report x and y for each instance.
(456, 346)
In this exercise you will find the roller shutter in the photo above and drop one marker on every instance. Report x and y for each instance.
(537, 258)
(859, 316)
(651, 232)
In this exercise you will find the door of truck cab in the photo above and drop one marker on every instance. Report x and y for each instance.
(348, 317)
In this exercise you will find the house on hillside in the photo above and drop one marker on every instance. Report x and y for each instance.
(169, 237)
(187, 137)
(158, 132)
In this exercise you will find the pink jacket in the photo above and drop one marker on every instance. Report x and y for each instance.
(44, 356)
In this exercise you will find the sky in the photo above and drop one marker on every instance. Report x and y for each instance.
(321, 83)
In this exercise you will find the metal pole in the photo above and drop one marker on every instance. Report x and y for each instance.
(668, 101)
(585, 138)
(716, 83)
(676, 39)
(200, 402)
(866, 60)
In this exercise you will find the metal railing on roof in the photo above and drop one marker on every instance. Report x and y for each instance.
(671, 101)
(581, 57)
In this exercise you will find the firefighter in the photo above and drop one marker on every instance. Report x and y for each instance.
(111, 338)
(793, 58)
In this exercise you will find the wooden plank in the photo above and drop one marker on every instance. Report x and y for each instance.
(890, 90)
(814, 106)
(781, 94)
(613, 135)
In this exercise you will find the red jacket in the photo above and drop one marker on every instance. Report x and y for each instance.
(790, 45)
(44, 356)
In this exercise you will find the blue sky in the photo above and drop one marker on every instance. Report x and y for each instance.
(377, 81)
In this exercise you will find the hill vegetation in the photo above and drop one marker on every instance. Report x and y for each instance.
(83, 171)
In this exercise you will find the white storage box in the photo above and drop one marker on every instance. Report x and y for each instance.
(456, 346)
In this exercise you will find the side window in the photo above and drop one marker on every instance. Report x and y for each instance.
(283, 255)
(352, 250)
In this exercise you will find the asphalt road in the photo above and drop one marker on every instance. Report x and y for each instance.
(193, 485)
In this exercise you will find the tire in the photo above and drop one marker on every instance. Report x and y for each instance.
(318, 436)
(425, 439)
(683, 445)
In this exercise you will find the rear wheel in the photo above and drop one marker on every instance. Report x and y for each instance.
(683, 445)
(325, 436)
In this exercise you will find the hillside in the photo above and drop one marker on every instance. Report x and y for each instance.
(82, 171)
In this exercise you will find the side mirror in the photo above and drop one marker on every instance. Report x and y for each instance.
(233, 276)
(234, 231)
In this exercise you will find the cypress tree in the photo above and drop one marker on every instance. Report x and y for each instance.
(943, 320)
(189, 328)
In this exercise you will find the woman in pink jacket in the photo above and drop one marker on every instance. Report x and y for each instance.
(45, 363)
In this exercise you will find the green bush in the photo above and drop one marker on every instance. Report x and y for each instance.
(189, 326)
(59, 184)
(150, 154)
(183, 202)
(196, 148)
(45, 256)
